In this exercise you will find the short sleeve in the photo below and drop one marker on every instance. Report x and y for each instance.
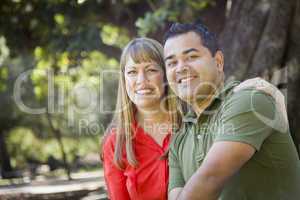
(248, 116)
(175, 177)
(114, 177)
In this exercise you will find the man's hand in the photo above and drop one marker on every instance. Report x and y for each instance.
(174, 194)
(223, 160)
(268, 88)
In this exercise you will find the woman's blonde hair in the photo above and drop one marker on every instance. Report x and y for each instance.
(139, 50)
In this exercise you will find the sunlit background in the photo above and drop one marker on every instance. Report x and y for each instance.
(58, 77)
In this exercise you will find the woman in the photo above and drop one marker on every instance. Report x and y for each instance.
(134, 149)
(135, 164)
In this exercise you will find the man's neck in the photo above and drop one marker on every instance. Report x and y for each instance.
(201, 104)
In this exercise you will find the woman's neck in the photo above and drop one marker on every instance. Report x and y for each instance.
(155, 123)
(153, 115)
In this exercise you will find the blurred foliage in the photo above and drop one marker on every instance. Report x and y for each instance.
(71, 51)
(24, 146)
(4, 50)
(4, 53)
(114, 36)
(169, 11)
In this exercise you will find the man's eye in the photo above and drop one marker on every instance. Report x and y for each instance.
(171, 63)
(192, 57)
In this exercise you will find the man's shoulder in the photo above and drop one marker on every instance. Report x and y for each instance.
(249, 100)
(250, 94)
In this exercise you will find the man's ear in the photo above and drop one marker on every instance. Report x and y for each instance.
(219, 60)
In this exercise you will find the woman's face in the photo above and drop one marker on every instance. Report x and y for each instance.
(144, 83)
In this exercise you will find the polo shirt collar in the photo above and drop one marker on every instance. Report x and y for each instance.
(191, 115)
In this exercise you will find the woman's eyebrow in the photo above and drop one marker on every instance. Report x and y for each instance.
(130, 67)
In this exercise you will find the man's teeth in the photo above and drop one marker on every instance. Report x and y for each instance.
(145, 91)
(186, 79)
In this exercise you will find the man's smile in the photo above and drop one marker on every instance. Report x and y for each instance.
(185, 79)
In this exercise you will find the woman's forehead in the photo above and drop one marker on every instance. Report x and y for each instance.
(131, 63)
(138, 60)
(143, 53)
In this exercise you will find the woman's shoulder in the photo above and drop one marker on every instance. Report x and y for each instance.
(109, 145)
(109, 138)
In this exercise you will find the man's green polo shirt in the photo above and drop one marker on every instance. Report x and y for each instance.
(248, 116)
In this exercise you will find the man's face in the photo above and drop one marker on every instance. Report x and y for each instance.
(193, 73)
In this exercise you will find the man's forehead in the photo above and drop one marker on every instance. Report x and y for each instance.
(182, 43)
(189, 36)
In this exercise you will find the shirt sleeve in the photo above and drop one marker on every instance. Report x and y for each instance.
(114, 177)
(248, 116)
(175, 177)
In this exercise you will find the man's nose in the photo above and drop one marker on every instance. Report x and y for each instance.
(181, 66)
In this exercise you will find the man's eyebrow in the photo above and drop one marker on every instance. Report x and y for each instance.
(190, 50)
(184, 52)
(169, 57)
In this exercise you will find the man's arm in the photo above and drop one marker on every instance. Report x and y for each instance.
(248, 118)
(176, 180)
(222, 161)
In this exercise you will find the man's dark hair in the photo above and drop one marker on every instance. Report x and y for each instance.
(208, 38)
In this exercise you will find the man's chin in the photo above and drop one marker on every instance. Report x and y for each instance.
(191, 98)
(186, 97)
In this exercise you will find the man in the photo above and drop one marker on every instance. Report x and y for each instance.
(232, 146)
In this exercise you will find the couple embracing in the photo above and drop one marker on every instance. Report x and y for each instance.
(181, 132)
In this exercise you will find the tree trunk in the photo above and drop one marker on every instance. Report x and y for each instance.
(261, 38)
(293, 64)
(58, 137)
(6, 167)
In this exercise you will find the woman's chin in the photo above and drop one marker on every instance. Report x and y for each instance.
(147, 104)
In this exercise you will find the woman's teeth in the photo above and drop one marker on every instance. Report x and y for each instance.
(144, 91)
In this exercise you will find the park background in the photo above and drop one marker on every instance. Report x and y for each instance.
(58, 58)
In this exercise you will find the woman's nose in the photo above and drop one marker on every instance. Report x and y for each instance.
(141, 77)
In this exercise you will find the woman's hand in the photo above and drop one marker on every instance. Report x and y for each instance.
(268, 88)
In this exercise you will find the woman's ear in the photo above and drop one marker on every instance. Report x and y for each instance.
(219, 60)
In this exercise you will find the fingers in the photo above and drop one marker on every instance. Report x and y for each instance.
(251, 83)
(268, 88)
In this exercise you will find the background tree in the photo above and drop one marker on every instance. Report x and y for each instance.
(76, 41)
(261, 38)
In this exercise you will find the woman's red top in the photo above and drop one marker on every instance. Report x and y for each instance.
(149, 180)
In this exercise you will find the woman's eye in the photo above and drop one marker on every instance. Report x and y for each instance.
(152, 70)
(132, 72)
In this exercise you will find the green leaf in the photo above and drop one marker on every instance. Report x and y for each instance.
(114, 36)
(59, 19)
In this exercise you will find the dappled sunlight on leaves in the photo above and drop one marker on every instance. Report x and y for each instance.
(115, 36)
